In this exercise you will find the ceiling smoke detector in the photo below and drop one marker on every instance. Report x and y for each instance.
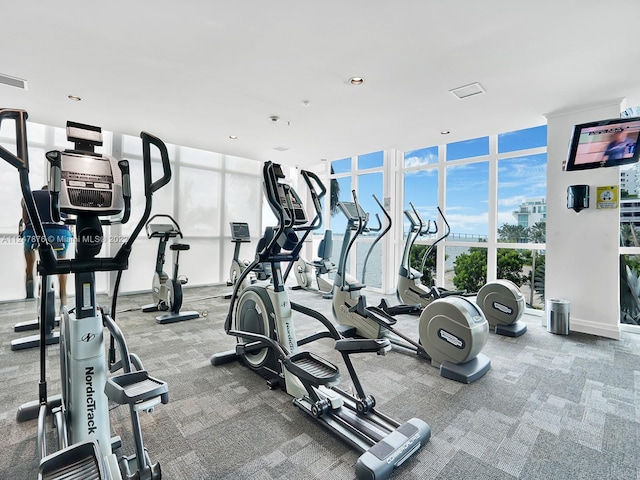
(468, 90)
(13, 81)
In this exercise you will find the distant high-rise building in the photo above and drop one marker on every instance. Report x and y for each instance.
(531, 211)
(629, 190)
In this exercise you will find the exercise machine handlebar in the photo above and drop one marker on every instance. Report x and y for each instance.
(49, 263)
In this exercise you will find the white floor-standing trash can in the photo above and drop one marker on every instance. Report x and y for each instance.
(558, 316)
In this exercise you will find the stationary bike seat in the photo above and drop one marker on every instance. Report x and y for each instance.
(179, 246)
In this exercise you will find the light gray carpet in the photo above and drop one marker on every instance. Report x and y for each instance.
(550, 407)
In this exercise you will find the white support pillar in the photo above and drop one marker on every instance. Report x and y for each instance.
(582, 249)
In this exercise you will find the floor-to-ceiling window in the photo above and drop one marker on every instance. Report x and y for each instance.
(492, 193)
(207, 191)
(364, 174)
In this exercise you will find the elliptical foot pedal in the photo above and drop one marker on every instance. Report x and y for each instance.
(381, 459)
(81, 460)
(315, 370)
(137, 388)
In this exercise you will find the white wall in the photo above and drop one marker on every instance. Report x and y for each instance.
(582, 249)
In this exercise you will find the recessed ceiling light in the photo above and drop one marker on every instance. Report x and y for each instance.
(233, 137)
(74, 98)
(356, 80)
(445, 132)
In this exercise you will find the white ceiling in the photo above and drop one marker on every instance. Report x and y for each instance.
(194, 72)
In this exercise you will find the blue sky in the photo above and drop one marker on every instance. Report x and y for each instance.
(467, 199)
(520, 178)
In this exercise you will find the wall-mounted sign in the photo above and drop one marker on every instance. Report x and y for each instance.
(607, 197)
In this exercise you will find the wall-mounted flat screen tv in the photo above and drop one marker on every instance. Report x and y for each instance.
(605, 143)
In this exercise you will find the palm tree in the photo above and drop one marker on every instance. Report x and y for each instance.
(537, 233)
(512, 233)
(334, 195)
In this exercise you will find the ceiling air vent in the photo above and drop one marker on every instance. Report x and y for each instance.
(468, 90)
(13, 81)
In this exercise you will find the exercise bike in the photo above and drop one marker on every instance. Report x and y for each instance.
(167, 292)
(322, 267)
(239, 235)
(90, 186)
(260, 317)
(452, 330)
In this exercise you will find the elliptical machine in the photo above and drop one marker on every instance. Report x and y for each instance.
(452, 330)
(503, 305)
(322, 267)
(410, 288)
(90, 186)
(167, 292)
(260, 317)
(501, 300)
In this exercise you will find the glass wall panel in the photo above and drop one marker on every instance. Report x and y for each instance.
(370, 160)
(201, 263)
(200, 158)
(421, 189)
(341, 166)
(522, 139)
(368, 185)
(465, 268)
(522, 190)
(373, 275)
(35, 132)
(476, 147)
(467, 201)
(199, 207)
(423, 156)
(162, 199)
(630, 289)
(340, 191)
(242, 191)
(242, 165)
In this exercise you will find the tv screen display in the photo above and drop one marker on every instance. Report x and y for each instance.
(605, 143)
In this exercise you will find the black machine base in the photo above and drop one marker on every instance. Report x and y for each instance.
(466, 372)
(33, 341)
(177, 317)
(514, 329)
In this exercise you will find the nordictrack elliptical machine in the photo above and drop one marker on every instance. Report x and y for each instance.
(90, 186)
(452, 330)
(167, 292)
(261, 319)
